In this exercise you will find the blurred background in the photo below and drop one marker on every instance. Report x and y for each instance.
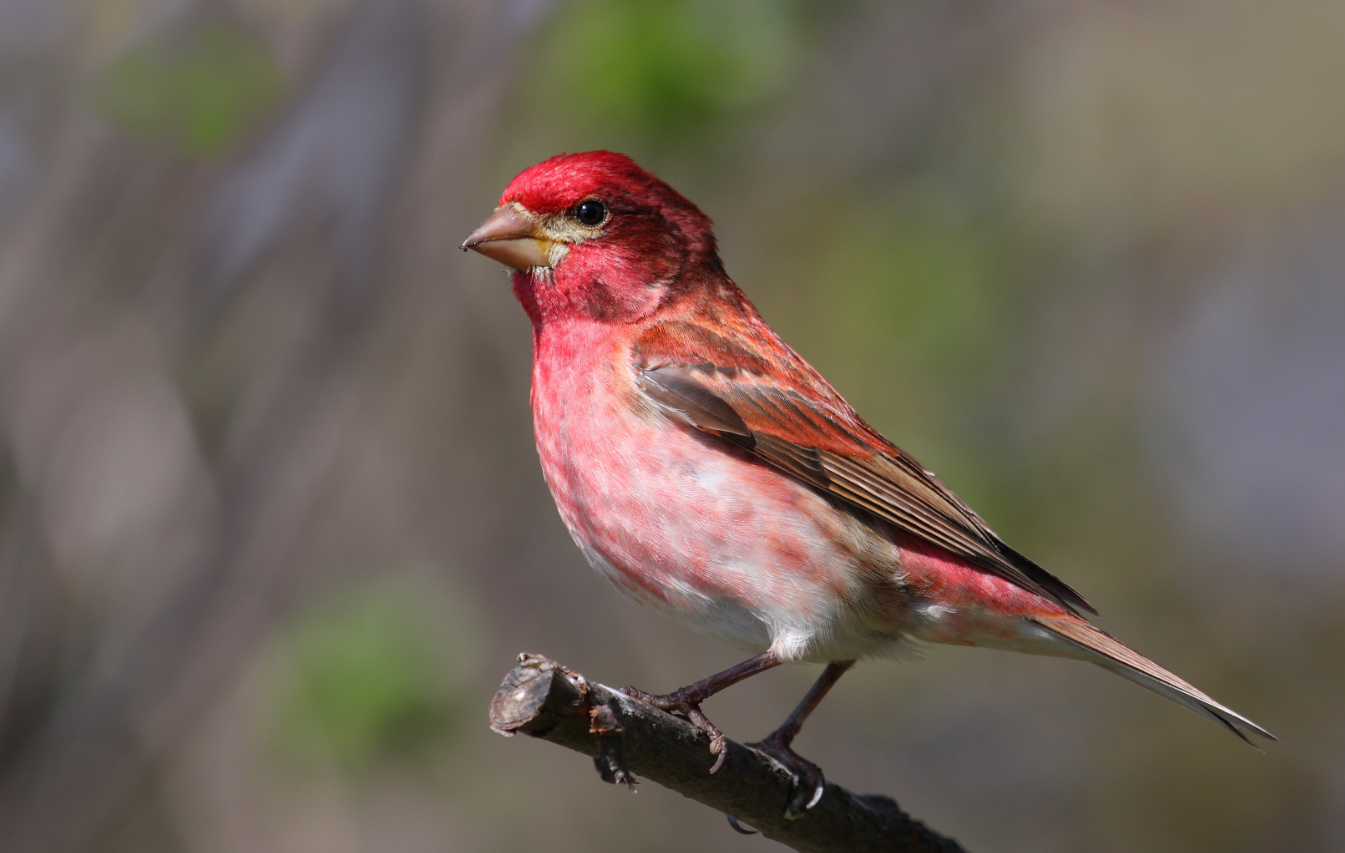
(272, 526)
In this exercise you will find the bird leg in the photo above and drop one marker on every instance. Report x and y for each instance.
(687, 700)
(809, 784)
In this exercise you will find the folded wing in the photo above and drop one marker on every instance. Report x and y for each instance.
(712, 376)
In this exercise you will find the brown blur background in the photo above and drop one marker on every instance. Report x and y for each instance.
(271, 521)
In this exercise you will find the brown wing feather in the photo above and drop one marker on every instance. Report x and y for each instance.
(737, 380)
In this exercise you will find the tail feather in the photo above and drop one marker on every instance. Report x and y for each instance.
(1115, 656)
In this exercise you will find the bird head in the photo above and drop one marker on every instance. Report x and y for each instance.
(594, 235)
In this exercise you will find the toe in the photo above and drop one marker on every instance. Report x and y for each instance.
(647, 698)
(808, 783)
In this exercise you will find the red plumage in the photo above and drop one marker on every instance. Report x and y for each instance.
(710, 472)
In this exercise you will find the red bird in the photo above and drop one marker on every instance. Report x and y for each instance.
(711, 473)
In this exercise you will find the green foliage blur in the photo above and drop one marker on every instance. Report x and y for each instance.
(366, 676)
(666, 71)
(195, 91)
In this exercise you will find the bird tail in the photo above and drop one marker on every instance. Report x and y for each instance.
(1109, 653)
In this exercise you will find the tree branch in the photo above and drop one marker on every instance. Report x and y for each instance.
(541, 698)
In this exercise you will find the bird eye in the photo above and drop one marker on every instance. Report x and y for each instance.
(591, 212)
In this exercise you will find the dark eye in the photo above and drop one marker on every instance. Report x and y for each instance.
(591, 212)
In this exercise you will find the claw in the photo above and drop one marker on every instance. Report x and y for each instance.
(738, 828)
(719, 762)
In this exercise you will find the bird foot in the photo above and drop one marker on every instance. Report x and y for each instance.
(688, 704)
(809, 783)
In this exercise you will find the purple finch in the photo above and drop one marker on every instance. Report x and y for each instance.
(712, 474)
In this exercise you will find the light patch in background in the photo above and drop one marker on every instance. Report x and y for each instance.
(103, 438)
(1247, 408)
(1140, 115)
(342, 142)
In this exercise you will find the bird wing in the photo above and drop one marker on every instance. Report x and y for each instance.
(737, 380)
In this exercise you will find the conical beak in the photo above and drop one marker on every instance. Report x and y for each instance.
(510, 237)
